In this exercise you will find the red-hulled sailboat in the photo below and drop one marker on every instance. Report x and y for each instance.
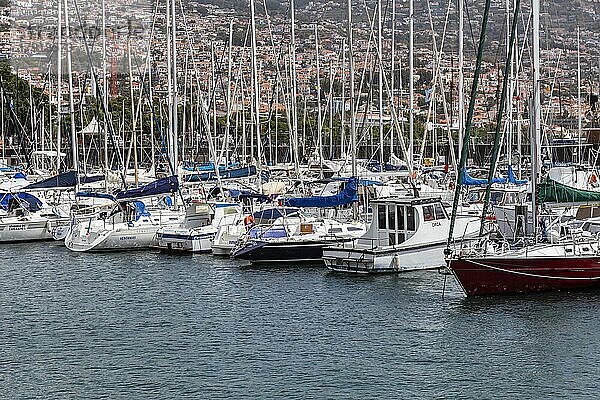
(534, 269)
(567, 265)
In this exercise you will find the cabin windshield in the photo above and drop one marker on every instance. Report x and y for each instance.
(396, 223)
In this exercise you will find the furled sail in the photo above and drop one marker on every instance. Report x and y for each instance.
(550, 191)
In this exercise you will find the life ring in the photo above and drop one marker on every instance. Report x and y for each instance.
(593, 179)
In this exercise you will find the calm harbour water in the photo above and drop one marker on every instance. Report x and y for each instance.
(148, 325)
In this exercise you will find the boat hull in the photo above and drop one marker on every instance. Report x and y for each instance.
(488, 276)
(285, 251)
(115, 240)
(28, 230)
(390, 261)
(184, 242)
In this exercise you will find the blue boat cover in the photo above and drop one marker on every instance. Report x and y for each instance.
(91, 178)
(346, 196)
(164, 185)
(20, 175)
(512, 179)
(470, 181)
(26, 200)
(65, 180)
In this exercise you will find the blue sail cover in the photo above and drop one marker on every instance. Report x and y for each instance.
(65, 180)
(512, 179)
(470, 181)
(164, 185)
(346, 196)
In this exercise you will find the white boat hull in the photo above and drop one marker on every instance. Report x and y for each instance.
(27, 230)
(172, 239)
(387, 261)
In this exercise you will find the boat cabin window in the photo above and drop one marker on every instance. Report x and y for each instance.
(400, 212)
(381, 216)
(496, 197)
(396, 223)
(410, 219)
(439, 211)
(428, 213)
(391, 217)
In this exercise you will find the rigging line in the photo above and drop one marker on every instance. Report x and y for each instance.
(469, 122)
(99, 90)
(500, 115)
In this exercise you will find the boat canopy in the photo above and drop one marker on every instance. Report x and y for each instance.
(470, 181)
(161, 186)
(346, 196)
(512, 179)
(25, 200)
(550, 191)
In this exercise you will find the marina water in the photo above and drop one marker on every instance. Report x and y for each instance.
(149, 325)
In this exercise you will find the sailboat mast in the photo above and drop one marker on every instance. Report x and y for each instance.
(229, 108)
(535, 112)
(59, 88)
(579, 116)
(319, 115)
(461, 75)
(256, 86)
(105, 95)
(411, 83)
(380, 81)
(71, 100)
(393, 72)
(175, 100)
(352, 110)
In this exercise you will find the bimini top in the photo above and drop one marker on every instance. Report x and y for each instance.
(25, 200)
